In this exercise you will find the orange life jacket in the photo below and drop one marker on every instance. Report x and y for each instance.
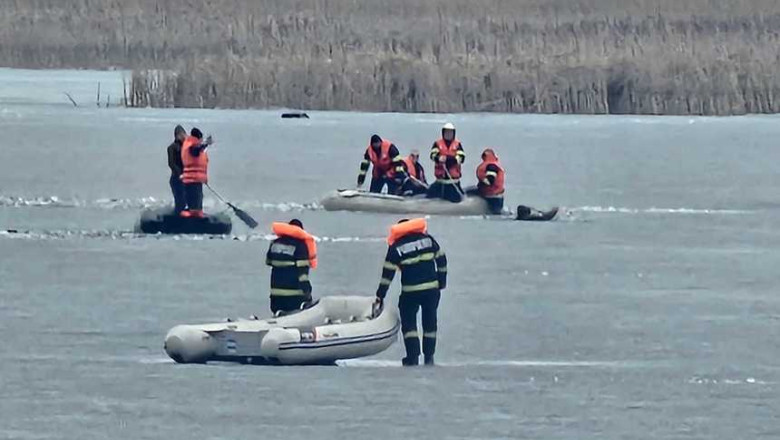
(383, 163)
(415, 225)
(449, 151)
(195, 167)
(411, 167)
(288, 230)
(497, 188)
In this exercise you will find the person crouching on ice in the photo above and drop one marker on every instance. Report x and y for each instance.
(291, 256)
(384, 157)
(490, 178)
(196, 163)
(423, 268)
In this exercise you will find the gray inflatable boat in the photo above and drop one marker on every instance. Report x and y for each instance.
(357, 200)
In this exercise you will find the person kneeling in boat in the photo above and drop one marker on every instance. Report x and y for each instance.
(177, 168)
(414, 181)
(291, 256)
(490, 178)
(448, 156)
(423, 266)
(386, 160)
(195, 160)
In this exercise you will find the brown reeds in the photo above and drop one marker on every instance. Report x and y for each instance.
(714, 57)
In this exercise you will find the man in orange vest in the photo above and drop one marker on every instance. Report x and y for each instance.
(291, 256)
(414, 176)
(490, 178)
(384, 156)
(423, 267)
(448, 156)
(196, 162)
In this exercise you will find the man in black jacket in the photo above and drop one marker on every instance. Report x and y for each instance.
(423, 268)
(177, 168)
(290, 257)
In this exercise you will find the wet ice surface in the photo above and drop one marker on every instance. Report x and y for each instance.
(649, 310)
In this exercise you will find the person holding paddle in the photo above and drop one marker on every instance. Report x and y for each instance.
(447, 154)
(414, 176)
(196, 162)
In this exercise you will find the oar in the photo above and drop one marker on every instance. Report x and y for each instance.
(447, 172)
(241, 214)
(419, 182)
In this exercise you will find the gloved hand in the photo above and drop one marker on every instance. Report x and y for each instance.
(442, 158)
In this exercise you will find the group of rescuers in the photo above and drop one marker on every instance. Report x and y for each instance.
(188, 161)
(406, 176)
(411, 249)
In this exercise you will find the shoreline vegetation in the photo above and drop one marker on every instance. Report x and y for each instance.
(689, 57)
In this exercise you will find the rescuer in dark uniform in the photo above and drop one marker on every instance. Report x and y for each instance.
(290, 257)
(423, 268)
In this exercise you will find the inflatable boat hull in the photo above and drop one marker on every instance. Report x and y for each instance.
(337, 327)
(353, 200)
(164, 221)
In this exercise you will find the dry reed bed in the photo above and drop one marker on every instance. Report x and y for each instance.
(541, 56)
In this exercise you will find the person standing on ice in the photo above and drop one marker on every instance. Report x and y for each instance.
(291, 256)
(423, 267)
(177, 169)
(195, 161)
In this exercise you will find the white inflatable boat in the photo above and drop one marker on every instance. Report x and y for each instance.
(356, 200)
(336, 327)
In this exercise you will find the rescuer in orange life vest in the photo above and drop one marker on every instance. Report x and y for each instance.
(414, 181)
(423, 268)
(490, 178)
(448, 156)
(384, 156)
(291, 256)
(196, 162)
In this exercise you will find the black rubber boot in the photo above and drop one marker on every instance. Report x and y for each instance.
(429, 348)
(412, 351)
(410, 362)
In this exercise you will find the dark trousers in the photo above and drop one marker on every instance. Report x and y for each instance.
(446, 191)
(412, 188)
(408, 304)
(377, 183)
(194, 194)
(495, 204)
(287, 303)
(179, 199)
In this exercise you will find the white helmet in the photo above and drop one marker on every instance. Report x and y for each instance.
(448, 126)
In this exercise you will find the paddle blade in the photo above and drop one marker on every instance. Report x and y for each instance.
(246, 218)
